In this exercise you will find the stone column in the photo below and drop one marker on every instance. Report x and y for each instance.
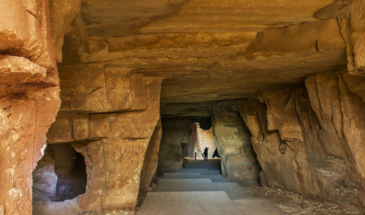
(114, 143)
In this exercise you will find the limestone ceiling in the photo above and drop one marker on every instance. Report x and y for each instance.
(116, 18)
(209, 50)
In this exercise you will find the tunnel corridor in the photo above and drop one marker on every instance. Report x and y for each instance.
(199, 188)
(111, 107)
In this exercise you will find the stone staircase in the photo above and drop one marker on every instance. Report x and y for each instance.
(201, 189)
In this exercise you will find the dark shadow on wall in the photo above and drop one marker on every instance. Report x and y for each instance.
(205, 123)
(72, 177)
(174, 132)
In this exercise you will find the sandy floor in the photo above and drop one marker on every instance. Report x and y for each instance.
(289, 202)
(294, 204)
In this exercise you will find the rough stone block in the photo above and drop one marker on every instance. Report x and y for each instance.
(118, 87)
(175, 130)
(62, 13)
(26, 120)
(100, 125)
(94, 158)
(61, 130)
(291, 163)
(242, 166)
(129, 125)
(232, 139)
(25, 31)
(80, 127)
(45, 178)
(124, 168)
(102, 89)
(138, 92)
(83, 87)
(150, 163)
(351, 20)
(19, 70)
(114, 164)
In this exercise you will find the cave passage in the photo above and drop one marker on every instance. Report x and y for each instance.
(186, 176)
(184, 138)
(224, 133)
(98, 97)
(200, 139)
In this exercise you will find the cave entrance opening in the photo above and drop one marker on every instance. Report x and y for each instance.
(184, 140)
(60, 175)
(201, 138)
(201, 151)
(222, 127)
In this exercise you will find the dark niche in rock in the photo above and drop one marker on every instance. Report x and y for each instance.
(60, 175)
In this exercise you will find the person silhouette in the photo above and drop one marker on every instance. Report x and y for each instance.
(206, 154)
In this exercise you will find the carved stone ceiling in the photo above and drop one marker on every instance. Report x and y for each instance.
(210, 50)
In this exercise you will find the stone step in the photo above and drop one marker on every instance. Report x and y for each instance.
(209, 168)
(167, 185)
(233, 190)
(202, 203)
(181, 174)
(214, 178)
(198, 170)
(192, 170)
(211, 164)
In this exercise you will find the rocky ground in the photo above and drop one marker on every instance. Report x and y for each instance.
(294, 204)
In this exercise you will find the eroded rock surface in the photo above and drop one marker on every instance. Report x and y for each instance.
(233, 143)
(303, 119)
(200, 48)
(62, 13)
(45, 178)
(313, 132)
(175, 132)
(149, 169)
(29, 98)
(197, 66)
(114, 146)
(351, 20)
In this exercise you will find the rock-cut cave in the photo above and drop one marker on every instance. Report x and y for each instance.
(181, 107)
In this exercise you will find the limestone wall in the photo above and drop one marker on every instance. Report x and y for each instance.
(29, 98)
(174, 132)
(114, 144)
(287, 168)
(208, 141)
(150, 163)
(196, 141)
(45, 177)
(309, 138)
(351, 21)
(200, 139)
